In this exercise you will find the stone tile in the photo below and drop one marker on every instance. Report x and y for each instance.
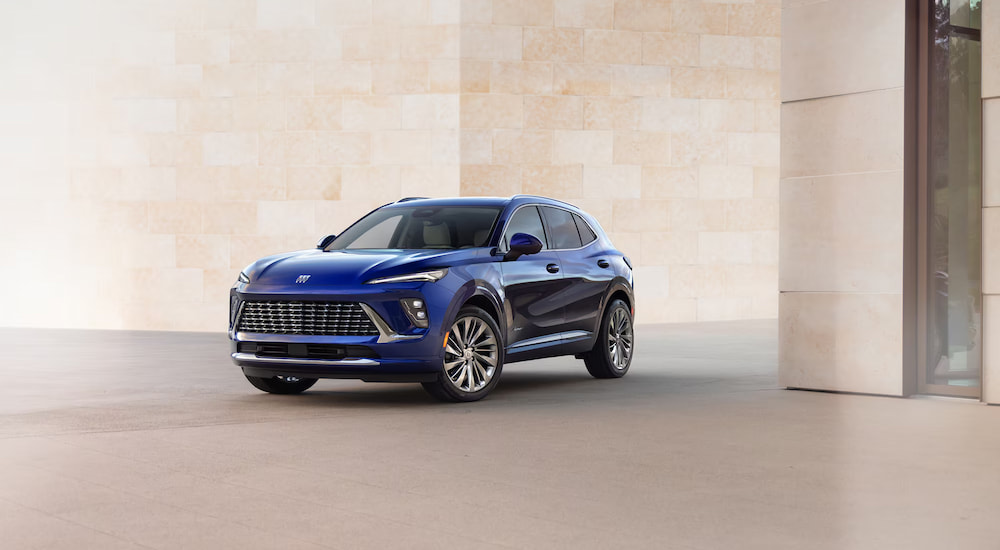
(393, 147)
(343, 148)
(699, 83)
(521, 77)
(841, 342)
(991, 53)
(379, 184)
(284, 14)
(522, 147)
(445, 76)
(476, 146)
(754, 20)
(991, 256)
(336, 13)
(725, 182)
(203, 251)
(287, 217)
(372, 113)
(670, 248)
(582, 79)
(735, 52)
(370, 43)
(991, 141)
(854, 133)
(700, 17)
(343, 77)
(689, 148)
(313, 113)
(640, 81)
(491, 111)
(669, 115)
(400, 12)
(229, 80)
(563, 181)
(669, 182)
(201, 47)
(175, 217)
(612, 182)
(670, 49)
(752, 84)
(313, 183)
(430, 111)
(533, 13)
(400, 77)
(424, 42)
(842, 233)
(475, 75)
(643, 15)
(490, 180)
(611, 113)
(284, 79)
(230, 218)
(641, 215)
(544, 44)
(553, 112)
(641, 148)
(587, 14)
(494, 42)
(818, 60)
(583, 147)
(991, 353)
(618, 47)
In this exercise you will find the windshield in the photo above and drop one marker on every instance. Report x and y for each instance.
(439, 227)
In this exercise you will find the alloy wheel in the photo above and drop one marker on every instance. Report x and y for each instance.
(470, 354)
(620, 339)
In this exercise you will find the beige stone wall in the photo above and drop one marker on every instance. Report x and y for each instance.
(148, 151)
(991, 202)
(659, 117)
(842, 196)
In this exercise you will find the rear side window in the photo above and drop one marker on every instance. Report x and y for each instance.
(525, 220)
(586, 233)
(563, 228)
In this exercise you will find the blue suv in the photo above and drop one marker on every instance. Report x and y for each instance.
(438, 291)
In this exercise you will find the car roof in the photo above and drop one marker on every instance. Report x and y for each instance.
(515, 200)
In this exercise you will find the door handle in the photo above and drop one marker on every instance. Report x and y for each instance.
(603, 263)
(552, 268)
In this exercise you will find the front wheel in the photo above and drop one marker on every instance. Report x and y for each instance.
(284, 385)
(612, 353)
(473, 358)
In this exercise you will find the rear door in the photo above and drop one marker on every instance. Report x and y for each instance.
(584, 267)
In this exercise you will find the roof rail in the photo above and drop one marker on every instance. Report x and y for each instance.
(527, 196)
(408, 199)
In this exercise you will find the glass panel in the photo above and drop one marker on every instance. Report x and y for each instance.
(966, 13)
(525, 220)
(954, 305)
(564, 232)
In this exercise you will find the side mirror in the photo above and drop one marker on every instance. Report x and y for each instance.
(522, 244)
(325, 241)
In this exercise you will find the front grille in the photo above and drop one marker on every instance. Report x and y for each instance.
(306, 318)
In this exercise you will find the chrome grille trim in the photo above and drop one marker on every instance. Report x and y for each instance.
(306, 318)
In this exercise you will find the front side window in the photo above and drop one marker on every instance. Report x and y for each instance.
(439, 227)
(564, 232)
(525, 220)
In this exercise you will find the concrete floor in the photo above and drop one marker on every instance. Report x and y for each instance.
(115, 440)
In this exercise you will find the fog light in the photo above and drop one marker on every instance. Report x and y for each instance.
(414, 308)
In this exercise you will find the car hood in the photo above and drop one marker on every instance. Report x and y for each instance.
(350, 267)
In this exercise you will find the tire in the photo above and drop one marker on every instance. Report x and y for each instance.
(473, 358)
(611, 356)
(282, 385)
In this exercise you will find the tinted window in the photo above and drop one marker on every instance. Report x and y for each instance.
(563, 228)
(586, 233)
(525, 220)
(443, 227)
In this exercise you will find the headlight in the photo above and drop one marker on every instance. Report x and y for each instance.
(423, 277)
(244, 278)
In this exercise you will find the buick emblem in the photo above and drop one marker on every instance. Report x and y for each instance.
(302, 278)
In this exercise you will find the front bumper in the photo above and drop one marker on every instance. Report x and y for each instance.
(400, 352)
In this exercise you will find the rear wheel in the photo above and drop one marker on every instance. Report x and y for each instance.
(284, 385)
(473, 358)
(612, 353)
